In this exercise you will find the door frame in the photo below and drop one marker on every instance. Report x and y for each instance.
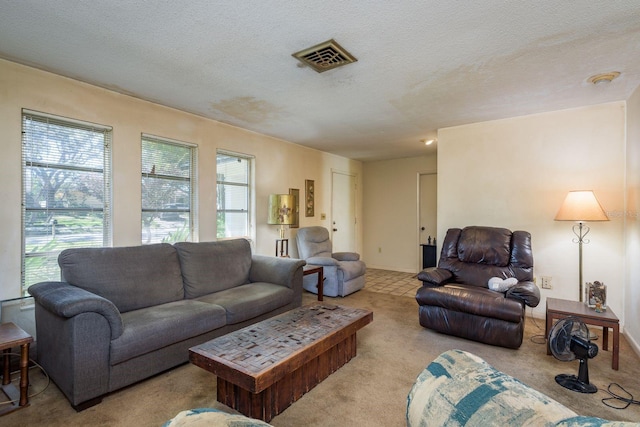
(355, 225)
(418, 180)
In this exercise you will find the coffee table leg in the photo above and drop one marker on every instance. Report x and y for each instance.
(605, 338)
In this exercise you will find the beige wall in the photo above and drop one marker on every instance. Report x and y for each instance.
(516, 172)
(391, 212)
(632, 230)
(280, 165)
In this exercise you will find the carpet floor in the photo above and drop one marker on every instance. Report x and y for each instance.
(369, 390)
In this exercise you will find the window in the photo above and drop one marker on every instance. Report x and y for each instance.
(234, 195)
(168, 194)
(66, 191)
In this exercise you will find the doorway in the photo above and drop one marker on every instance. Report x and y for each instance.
(427, 212)
(343, 212)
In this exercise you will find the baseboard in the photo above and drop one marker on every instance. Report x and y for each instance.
(388, 268)
(632, 343)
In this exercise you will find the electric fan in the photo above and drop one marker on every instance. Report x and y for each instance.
(569, 340)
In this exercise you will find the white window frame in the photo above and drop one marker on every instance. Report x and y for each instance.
(251, 217)
(192, 179)
(51, 254)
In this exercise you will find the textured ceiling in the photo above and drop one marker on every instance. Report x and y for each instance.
(422, 65)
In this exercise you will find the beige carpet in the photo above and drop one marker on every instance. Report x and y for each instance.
(369, 390)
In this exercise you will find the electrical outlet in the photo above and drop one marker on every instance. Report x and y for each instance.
(545, 282)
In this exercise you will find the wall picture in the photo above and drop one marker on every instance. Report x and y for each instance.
(309, 203)
(296, 208)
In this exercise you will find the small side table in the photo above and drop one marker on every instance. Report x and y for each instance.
(13, 336)
(561, 308)
(282, 248)
(311, 270)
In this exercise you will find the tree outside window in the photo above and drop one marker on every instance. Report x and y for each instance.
(66, 191)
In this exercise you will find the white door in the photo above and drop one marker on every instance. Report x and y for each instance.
(428, 210)
(343, 212)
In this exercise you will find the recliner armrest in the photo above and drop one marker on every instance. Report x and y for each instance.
(346, 256)
(65, 300)
(322, 260)
(435, 276)
(528, 292)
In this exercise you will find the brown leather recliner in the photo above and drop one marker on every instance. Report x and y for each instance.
(455, 298)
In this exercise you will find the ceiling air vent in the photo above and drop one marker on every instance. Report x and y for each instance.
(325, 56)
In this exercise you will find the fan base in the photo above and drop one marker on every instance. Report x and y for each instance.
(573, 383)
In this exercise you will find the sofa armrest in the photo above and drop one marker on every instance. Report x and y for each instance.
(528, 292)
(65, 300)
(435, 276)
(346, 256)
(279, 271)
(323, 261)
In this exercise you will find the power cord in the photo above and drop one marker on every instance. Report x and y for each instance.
(620, 398)
(36, 365)
(539, 338)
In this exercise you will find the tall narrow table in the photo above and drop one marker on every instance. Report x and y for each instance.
(263, 368)
(11, 336)
(561, 308)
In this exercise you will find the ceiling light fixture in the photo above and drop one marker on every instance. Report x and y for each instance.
(428, 141)
(604, 77)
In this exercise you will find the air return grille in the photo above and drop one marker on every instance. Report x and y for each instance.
(325, 56)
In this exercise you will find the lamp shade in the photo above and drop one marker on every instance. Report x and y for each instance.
(581, 206)
(281, 209)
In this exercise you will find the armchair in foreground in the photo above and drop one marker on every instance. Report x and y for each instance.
(455, 297)
(343, 271)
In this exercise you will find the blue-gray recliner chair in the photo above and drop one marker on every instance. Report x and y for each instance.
(343, 271)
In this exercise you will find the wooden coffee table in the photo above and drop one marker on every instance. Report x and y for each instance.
(561, 308)
(262, 369)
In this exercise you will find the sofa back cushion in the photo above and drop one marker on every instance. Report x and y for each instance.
(130, 277)
(209, 267)
(313, 242)
(485, 245)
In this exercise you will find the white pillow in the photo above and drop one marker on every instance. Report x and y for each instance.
(502, 285)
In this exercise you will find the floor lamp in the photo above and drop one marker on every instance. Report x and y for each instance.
(581, 206)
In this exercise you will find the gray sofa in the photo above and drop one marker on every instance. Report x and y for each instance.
(121, 315)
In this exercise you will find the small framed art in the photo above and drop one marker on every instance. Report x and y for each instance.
(309, 201)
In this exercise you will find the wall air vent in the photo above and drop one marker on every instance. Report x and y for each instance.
(325, 56)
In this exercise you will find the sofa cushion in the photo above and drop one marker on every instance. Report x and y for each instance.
(130, 277)
(214, 266)
(485, 245)
(156, 327)
(313, 242)
(248, 301)
(459, 388)
(473, 300)
(210, 417)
